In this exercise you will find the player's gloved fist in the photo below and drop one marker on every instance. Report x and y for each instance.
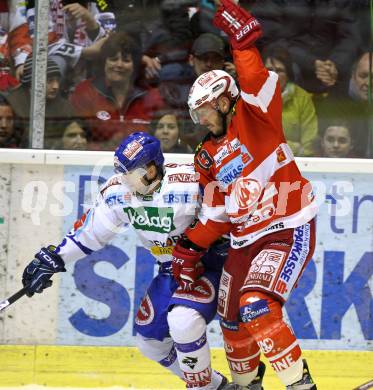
(242, 28)
(186, 266)
(36, 276)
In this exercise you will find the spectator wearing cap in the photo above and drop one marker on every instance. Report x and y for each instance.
(208, 53)
(57, 108)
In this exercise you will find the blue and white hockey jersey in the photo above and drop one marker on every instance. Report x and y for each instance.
(159, 219)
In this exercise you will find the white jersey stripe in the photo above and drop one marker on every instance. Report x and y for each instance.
(265, 95)
(246, 358)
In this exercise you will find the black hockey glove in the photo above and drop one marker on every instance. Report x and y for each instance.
(36, 276)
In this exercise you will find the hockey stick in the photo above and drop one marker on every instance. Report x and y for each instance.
(7, 302)
(365, 386)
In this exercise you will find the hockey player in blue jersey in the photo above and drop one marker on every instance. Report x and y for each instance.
(159, 201)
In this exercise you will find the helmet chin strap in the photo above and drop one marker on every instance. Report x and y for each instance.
(151, 184)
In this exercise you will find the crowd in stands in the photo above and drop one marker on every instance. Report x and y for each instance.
(118, 66)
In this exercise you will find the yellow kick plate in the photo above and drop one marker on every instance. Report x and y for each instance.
(72, 366)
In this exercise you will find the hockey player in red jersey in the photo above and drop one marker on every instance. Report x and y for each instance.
(252, 189)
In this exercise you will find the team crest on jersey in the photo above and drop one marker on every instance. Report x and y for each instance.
(132, 150)
(246, 192)
(145, 314)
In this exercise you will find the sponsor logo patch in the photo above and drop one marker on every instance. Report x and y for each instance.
(240, 366)
(224, 293)
(151, 218)
(264, 267)
(281, 157)
(206, 78)
(183, 178)
(159, 251)
(132, 150)
(298, 252)
(226, 150)
(254, 310)
(230, 171)
(180, 197)
(118, 199)
(190, 361)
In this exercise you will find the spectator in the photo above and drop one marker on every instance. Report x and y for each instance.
(8, 134)
(168, 129)
(57, 108)
(336, 141)
(299, 118)
(75, 30)
(7, 81)
(208, 53)
(168, 39)
(361, 79)
(356, 106)
(112, 104)
(75, 136)
(322, 38)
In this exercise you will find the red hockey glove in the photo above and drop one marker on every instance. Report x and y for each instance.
(186, 266)
(241, 27)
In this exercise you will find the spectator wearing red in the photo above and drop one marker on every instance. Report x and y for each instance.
(113, 105)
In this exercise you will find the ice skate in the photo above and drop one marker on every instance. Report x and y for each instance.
(306, 383)
(223, 383)
(256, 384)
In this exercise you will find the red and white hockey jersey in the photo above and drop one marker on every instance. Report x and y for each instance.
(252, 185)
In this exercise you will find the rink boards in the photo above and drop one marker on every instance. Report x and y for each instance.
(94, 303)
(125, 367)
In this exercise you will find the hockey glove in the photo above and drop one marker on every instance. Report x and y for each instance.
(36, 276)
(241, 27)
(186, 265)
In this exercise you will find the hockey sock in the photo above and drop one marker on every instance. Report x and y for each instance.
(242, 353)
(163, 352)
(188, 330)
(262, 317)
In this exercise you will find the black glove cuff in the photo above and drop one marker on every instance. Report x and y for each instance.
(187, 244)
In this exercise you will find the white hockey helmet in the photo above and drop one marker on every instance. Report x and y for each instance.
(208, 87)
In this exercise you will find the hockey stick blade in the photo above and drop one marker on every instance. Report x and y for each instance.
(7, 302)
(365, 386)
